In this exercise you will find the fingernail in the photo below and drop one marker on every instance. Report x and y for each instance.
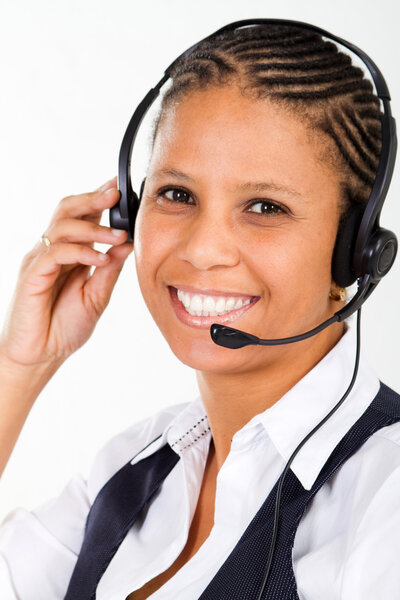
(106, 185)
(118, 232)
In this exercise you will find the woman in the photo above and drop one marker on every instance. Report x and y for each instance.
(266, 141)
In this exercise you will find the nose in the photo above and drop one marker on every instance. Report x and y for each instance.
(209, 242)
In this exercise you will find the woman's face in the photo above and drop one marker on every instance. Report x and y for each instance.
(238, 204)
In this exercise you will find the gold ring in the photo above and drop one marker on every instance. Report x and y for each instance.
(45, 240)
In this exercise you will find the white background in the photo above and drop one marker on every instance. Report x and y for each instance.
(72, 73)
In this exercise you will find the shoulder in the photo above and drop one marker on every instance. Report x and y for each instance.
(380, 454)
(387, 401)
(372, 474)
(122, 447)
(363, 487)
(374, 485)
(353, 523)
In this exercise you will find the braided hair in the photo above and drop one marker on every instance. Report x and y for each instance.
(287, 64)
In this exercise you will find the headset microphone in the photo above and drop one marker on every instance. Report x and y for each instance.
(234, 338)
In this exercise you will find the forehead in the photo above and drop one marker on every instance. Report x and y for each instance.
(234, 137)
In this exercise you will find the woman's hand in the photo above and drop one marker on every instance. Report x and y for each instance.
(56, 304)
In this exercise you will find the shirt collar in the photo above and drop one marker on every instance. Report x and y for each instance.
(189, 428)
(290, 419)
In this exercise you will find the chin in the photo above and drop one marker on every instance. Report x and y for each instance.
(204, 355)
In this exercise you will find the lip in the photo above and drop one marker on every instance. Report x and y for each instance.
(206, 322)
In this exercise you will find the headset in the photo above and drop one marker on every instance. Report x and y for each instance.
(363, 252)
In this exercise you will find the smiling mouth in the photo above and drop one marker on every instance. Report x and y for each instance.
(203, 310)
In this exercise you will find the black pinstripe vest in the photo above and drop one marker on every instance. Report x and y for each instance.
(124, 496)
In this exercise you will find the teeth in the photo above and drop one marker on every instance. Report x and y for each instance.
(220, 305)
(204, 306)
(209, 304)
(196, 305)
(230, 303)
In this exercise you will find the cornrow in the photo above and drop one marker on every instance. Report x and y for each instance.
(347, 73)
(286, 64)
(318, 64)
(369, 140)
(239, 47)
(303, 51)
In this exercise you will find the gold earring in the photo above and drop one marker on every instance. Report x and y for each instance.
(340, 294)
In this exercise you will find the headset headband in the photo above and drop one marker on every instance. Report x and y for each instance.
(375, 248)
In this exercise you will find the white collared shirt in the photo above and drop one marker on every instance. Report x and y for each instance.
(346, 546)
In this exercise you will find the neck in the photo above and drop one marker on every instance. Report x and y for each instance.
(232, 399)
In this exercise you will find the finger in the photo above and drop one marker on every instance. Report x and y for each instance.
(98, 288)
(51, 259)
(85, 232)
(110, 183)
(91, 204)
(75, 278)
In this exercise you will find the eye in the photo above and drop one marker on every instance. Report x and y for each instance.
(265, 207)
(181, 196)
(176, 195)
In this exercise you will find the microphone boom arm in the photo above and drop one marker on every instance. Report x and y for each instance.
(234, 338)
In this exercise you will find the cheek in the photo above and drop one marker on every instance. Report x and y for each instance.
(153, 243)
(295, 273)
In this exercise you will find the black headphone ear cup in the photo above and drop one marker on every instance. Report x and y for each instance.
(133, 207)
(342, 259)
(141, 189)
(379, 253)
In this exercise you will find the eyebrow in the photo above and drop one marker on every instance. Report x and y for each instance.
(255, 186)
